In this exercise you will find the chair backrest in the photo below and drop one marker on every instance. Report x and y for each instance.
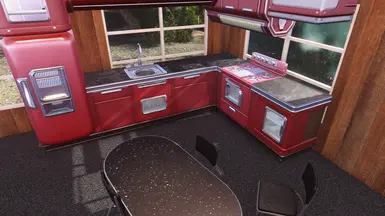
(207, 149)
(309, 179)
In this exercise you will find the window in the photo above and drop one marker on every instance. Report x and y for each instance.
(313, 52)
(9, 94)
(163, 33)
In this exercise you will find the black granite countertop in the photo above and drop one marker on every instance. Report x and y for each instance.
(107, 77)
(219, 60)
(292, 93)
(155, 176)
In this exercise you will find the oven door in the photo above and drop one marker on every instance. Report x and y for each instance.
(233, 93)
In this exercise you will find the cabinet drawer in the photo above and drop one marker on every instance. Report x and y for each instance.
(113, 114)
(234, 113)
(230, 4)
(191, 79)
(110, 94)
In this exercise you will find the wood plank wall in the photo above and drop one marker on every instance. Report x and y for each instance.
(14, 121)
(353, 132)
(90, 33)
(224, 38)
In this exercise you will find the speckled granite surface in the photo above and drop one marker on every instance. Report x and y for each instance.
(155, 176)
(292, 93)
(118, 75)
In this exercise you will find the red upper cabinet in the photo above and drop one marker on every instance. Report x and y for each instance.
(194, 92)
(100, 4)
(112, 109)
(151, 100)
(230, 4)
(28, 17)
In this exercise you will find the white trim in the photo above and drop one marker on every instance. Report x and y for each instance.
(12, 106)
(345, 47)
(309, 80)
(162, 45)
(316, 44)
(193, 53)
(246, 46)
(129, 61)
(6, 77)
(106, 37)
(286, 46)
(206, 37)
(135, 31)
(184, 27)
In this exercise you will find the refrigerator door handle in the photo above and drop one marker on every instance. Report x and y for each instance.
(26, 92)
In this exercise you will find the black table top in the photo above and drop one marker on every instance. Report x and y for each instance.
(292, 93)
(155, 176)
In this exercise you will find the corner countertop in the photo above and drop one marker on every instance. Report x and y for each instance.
(292, 94)
(110, 78)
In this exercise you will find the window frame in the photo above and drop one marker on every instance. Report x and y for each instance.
(286, 46)
(161, 29)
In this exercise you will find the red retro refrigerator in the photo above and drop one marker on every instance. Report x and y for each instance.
(47, 71)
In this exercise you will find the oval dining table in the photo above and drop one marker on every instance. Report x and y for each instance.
(155, 176)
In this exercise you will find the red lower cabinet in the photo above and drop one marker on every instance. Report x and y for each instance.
(112, 109)
(234, 113)
(283, 131)
(114, 114)
(194, 92)
(151, 100)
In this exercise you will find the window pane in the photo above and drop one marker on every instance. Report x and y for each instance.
(124, 47)
(315, 63)
(4, 69)
(187, 40)
(128, 19)
(182, 16)
(9, 94)
(331, 34)
(265, 44)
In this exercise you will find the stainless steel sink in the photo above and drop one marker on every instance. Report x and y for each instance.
(144, 71)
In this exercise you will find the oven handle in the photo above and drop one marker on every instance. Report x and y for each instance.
(26, 92)
(192, 76)
(111, 91)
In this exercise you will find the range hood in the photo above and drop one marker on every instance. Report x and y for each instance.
(277, 17)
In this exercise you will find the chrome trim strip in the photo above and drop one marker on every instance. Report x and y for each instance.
(150, 84)
(139, 4)
(126, 207)
(290, 108)
(111, 91)
(26, 94)
(161, 77)
(315, 20)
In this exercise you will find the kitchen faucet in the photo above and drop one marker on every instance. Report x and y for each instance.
(139, 52)
(140, 63)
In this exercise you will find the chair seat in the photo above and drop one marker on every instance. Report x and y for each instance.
(277, 199)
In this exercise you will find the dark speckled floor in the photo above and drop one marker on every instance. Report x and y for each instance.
(67, 182)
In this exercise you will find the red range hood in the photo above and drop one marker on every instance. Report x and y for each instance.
(106, 4)
(276, 17)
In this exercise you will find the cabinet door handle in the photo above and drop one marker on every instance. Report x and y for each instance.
(229, 7)
(111, 91)
(192, 76)
(247, 9)
(232, 109)
(146, 85)
(26, 92)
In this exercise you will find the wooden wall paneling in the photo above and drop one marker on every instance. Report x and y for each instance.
(14, 121)
(352, 134)
(90, 35)
(344, 72)
(223, 38)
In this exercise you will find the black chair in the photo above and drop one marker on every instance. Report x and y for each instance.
(279, 200)
(209, 150)
(115, 198)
